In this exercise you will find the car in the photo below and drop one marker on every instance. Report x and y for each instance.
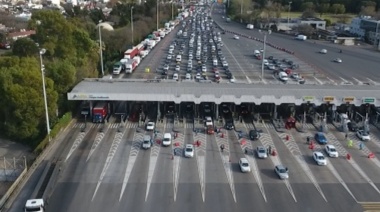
(169, 57)
(331, 151)
(352, 126)
(175, 76)
(177, 68)
(166, 67)
(230, 125)
(232, 79)
(224, 63)
(150, 126)
(282, 171)
(167, 140)
(338, 60)
(244, 165)
(266, 62)
(362, 135)
(198, 76)
(208, 121)
(189, 150)
(147, 142)
(204, 69)
(188, 76)
(271, 66)
(320, 138)
(319, 158)
(236, 37)
(323, 51)
(254, 134)
(261, 152)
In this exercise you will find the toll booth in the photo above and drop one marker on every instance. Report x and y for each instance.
(290, 123)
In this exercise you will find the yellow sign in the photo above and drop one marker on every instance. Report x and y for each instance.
(308, 98)
(147, 70)
(349, 99)
(328, 98)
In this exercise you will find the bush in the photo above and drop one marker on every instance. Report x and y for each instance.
(62, 123)
(328, 22)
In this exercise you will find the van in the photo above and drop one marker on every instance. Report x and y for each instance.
(178, 58)
(283, 76)
(147, 142)
(36, 205)
(117, 68)
(256, 53)
(167, 139)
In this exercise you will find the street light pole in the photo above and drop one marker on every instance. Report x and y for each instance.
(157, 14)
(132, 24)
(43, 51)
(264, 49)
(290, 3)
(101, 48)
(172, 11)
(376, 35)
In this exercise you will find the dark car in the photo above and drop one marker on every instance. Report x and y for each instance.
(230, 125)
(352, 126)
(254, 134)
(320, 138)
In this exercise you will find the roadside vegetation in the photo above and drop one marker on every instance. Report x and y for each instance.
(72, 53)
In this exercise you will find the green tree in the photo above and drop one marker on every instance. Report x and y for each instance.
(24, 47)
(22, 102)
(308, 6)
(337, 9)
(323, 8)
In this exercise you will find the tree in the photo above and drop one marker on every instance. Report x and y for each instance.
(337, 9)
(368, 8)
(22, 105)
(308, 6)
(323, 8)
(308, 14)
(306, 29)
(25, 47)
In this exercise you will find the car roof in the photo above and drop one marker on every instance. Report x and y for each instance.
(244, 160)
(189, 146)
(261, 147)
(320, 133)
(318, 153)
(281, 167)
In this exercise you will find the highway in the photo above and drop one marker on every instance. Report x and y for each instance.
(359, 64)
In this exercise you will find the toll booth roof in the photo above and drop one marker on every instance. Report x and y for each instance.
(162, 90)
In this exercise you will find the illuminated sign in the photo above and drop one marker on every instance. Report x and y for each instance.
(369, 100)
(348, 99)
(308, 98)
(328, 99)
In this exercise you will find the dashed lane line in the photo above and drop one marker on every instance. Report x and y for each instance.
(365, 149)
(154, 152)
(76, 143)
(201, 161)
(136, 145)
(296, 152)
(115, 144)
(252, 161)
(266, 140)
(177, 161)
(98, 139)
(332, 168)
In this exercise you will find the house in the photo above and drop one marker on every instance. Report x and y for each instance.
(316, 23)
(22, 34)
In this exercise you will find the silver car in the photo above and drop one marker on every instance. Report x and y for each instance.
(261, 152)
(282, 171)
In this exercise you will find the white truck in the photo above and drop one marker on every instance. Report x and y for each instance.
(250, 26)
(35, 205)
(301, 37)
(144, 53)
(152, 44)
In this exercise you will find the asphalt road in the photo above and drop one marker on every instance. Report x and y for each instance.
(359, 64)
(109, 171)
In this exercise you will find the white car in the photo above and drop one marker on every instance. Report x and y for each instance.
(236, 37)
(204, 69)
(282, 171)
(331, 151)
(323, 51)
(150, 126)
(232, 80)
(271, 66)
(319, 158)
(177, 68)
(338, 60)
(198, 76)
(244, 165)
(175, 76)
(167, 139)
(188, 76)
(189, 151)
(261, 152)
(169, 57)
(364, 136)
(208, 121)
(266, 62)
(225, 64)
(166, 67)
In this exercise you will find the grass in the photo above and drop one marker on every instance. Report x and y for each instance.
(332, 17)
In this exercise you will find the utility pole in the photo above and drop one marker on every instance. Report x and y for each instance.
(157, 14)
(290, 4)
(132, 24)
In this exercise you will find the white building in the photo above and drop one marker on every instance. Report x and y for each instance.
(355, 27)
(316, 23)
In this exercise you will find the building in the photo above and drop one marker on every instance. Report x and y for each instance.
(285, 25)
(316, 23)
(366, 27)
(22, 34)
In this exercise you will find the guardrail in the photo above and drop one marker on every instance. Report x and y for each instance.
(13, 187)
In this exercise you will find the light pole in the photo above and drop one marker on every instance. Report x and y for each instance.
(376, 34)
(132, 23)
(157, 14)
(101, 48)
(41, 52)
(290, 3)
(172, 11)
(241, 11)
(264, 49)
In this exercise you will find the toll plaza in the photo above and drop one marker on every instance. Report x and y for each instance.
(156, 100)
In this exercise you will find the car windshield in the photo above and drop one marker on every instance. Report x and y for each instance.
(364, 134)
(332, 150)
(282, 170)
(244, 164)
(321, 158)
(189, 149)
(150, 124)
(262, 151)
(146, 142)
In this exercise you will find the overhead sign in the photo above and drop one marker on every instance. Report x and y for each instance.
(349, 99)
(369, 100)
(308, 98)
(328, 99)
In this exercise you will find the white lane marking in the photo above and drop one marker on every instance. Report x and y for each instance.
(297, 154)
(251, 157)
(267, 140)
(177, 161)
(136, 145)
(373, 82)
(332, 169)
(358, 81)
(201, 161)
(318, 81)
(111, 153)
(241, 69)
(76, 143)
(98, 139)
(154, 151)
(365, 149)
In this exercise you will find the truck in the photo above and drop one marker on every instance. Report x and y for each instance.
(131, 53)
(130, 66)
(152, 44)
(301, 37)
(144, 53)
(99, 112)
(35, 205)
(117, 68)
(250, 26)
(140, 47)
